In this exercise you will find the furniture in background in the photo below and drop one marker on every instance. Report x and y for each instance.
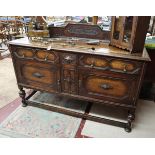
(3, 39)
(14, 25)
(11, 27)
(77, 61)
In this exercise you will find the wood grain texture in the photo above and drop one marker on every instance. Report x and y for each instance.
(38, 74)
(105, 86)
(113, 87)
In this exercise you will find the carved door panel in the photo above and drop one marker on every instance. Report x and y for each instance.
(69, 80)
(38, 75)
(107, 87)
(69, 73)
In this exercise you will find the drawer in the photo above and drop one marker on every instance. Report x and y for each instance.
(37, 54)
(93, 61)
(47, 56)
(24, 53)
(125, 66)
(106, 87)
(112, 64)
(39, 75)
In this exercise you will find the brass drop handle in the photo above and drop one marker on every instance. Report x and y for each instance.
(92, 65)
(37, 75)
(125, 68)
(106, 86)
(46, 56)
(23, 54)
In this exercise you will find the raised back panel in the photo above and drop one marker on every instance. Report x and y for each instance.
(81, 31)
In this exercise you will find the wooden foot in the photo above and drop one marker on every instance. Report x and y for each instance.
(22, 94)
(128, 128)
(130, 118)
(24, 104)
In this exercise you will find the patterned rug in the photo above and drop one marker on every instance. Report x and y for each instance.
(36, 122)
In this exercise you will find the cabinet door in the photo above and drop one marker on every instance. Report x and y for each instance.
(38, 75)
(107, 87)
(69, 80)
(69, 75)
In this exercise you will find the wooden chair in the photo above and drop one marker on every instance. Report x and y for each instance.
(3, 38)
(15, 27)
(11, 27)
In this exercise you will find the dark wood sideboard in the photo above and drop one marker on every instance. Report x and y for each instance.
(78, 61)
(101, 74)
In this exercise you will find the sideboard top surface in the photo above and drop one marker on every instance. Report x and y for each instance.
(81, 45)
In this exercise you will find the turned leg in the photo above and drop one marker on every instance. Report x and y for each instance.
(130, 119)
(22, 94)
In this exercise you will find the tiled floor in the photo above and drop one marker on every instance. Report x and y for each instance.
(9, 90)
(4, 50)
(143, 126)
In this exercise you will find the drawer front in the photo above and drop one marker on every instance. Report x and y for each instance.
(47, 56)
(36, 54)
(108, 88)
(112, 64)
(93, 61)
(125, 66)
(24, 53)
(39, 75)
